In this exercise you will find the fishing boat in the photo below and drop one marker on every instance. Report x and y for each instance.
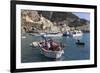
(76, 33)
(23, 37)
(50, 53)
(80, 43)
(51, 34)
(66, 33)
(34, 44)
(35, 34)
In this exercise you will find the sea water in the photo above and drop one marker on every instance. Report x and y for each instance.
(72, 51)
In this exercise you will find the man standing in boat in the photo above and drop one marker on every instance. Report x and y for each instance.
(50, 41)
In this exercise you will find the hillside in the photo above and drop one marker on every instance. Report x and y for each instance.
(38, 21)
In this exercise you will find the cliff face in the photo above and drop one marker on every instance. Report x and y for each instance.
(60, 17)
(47, 20)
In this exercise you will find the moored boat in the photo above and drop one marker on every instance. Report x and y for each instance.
(76, 33)
(66, 33)
(35, 34)
(80, 43)
(23, 37)
(51, 53)
(51, 34)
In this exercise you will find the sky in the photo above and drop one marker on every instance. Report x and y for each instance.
(83, 15)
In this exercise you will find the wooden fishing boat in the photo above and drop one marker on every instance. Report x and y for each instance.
(50, 53)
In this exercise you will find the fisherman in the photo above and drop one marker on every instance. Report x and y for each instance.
(47, 43)
(51, 41)
(78, 41)
(61, 44)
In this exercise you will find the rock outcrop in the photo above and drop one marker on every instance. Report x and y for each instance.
(37, 21)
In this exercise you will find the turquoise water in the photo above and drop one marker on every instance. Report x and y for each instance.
(71, 50)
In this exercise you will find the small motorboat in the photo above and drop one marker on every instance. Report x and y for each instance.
(51, 34)
(50, 53)
(34, 44)
(80, 43)
(66, 34)
(76, 33)
(23, 37)
(35, 34)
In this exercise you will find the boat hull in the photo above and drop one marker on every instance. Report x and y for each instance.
(51, 34)
(74, 35)
(52, 54)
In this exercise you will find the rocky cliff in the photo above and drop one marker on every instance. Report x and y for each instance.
(51, 21)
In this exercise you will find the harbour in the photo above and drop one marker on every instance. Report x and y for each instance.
(72, 51)
(70, 35)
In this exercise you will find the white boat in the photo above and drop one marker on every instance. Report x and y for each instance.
(35, 34)
(34, 44)
(23, 37)
(66, 33)
(76, 33)
(50, 53)
(51, 34)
